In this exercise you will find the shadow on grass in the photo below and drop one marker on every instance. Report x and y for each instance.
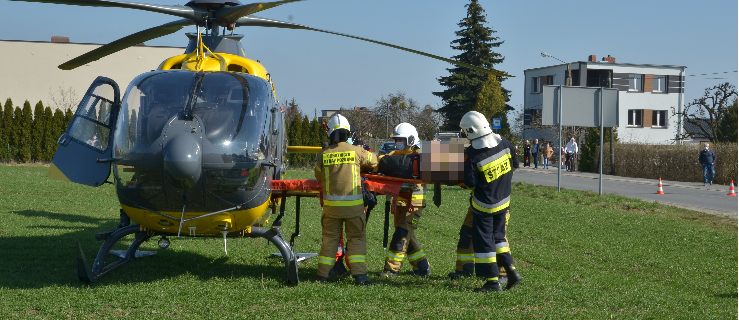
(728, 295)
(39, 261)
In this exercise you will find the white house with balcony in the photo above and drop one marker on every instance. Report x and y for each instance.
(647, 94)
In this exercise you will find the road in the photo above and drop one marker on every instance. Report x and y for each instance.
(689, 195)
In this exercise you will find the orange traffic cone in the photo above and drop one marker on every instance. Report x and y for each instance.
(731, 189)
(660, 187)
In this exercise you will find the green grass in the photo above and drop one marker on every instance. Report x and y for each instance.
(581, 256)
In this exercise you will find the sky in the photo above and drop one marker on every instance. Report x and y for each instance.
(322, 71)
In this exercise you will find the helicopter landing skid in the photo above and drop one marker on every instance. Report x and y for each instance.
(99, 267)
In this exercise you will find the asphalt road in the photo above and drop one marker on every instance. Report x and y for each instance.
(694, 196)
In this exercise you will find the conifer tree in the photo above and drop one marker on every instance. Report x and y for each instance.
(589, 153)
(67, 118)
(16, 135)
(26, 124)
(476, 43)
(49, 141)
(307, 140)
(2, 135)
(8, 129)
(58, 126)
(37, 131)
(294, 138)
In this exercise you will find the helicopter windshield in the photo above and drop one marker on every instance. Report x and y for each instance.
(232, 109)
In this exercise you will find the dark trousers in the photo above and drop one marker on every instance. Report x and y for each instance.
(535, 155)
(488, 231)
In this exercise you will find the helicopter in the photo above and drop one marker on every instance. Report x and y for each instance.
(195, 146)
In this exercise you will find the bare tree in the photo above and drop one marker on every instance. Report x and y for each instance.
(394, 109)
(64, 99)
(428, 122)
(363, 120)
(705, 113)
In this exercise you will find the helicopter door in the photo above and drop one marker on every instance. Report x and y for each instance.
(85, 150)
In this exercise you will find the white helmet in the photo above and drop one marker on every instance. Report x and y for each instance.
(474, 125)
(337, 122)
(407, 131)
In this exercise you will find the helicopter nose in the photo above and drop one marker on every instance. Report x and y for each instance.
(182, 160)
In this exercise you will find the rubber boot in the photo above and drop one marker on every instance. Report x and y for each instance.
(467, 270)
(388, 274)
(424, 270)
(513, 277)
(489, 287)
(362, 279)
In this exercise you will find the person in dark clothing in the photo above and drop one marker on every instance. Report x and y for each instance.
(488, 171)
(707, 158)
(535, 153)
(527, 154)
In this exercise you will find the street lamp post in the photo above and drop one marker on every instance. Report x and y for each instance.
(568, 82)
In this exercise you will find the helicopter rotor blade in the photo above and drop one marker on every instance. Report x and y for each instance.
(125, 42)
(261, 22)
(196, 14)
(231, 14)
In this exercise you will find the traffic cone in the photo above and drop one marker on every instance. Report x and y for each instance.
(731, 189)
(660, 187)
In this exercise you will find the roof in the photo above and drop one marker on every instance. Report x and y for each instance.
(692, 129)
(608, 63)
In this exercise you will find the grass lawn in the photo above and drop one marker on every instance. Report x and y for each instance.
(581, 256)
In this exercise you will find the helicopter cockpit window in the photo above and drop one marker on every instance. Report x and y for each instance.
(232, 109)
(150, 101)
(92, 118)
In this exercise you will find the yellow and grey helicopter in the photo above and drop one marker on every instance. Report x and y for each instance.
(195, 145)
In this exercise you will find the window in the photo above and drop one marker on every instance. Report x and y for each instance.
(659, 118)
(635, 117)
(636, 82)
(535, 85)
(660, 84)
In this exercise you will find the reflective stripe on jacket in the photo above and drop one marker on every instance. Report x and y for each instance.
(489, 172)
(338, 168)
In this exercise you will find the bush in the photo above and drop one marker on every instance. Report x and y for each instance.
(672, 162)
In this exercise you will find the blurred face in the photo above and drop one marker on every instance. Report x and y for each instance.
(527, 141)
(400, 143)
(536, 141)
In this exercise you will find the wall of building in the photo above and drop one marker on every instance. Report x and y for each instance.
(646, 101)
(30, 70)
(627, 100)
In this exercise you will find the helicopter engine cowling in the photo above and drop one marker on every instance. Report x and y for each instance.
(182, 160)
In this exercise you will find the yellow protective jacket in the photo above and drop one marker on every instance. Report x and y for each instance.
(338, 169)
(419, 190)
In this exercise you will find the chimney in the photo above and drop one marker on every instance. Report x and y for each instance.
(592, 58)
(609, 59)
(58, 39)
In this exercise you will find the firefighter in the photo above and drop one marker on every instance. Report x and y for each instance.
(488, 171)
(338, 171)
(404, 244)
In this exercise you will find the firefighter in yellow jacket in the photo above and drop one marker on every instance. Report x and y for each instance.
(338, 171)
(404, 244)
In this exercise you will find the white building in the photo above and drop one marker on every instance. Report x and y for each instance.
(647, 94)
(30, 70)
